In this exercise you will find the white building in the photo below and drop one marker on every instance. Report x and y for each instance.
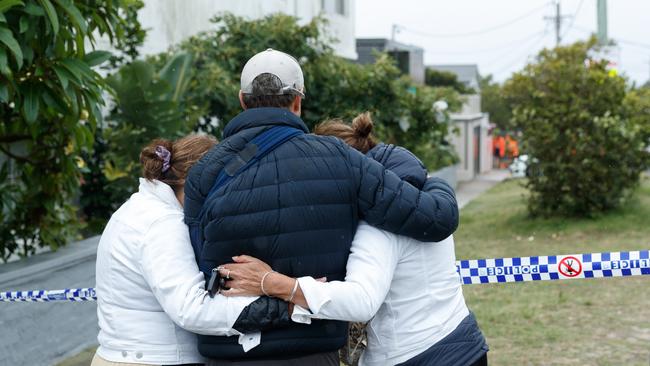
(171, 21)
(473, 143)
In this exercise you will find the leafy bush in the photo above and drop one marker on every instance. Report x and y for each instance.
(495, 104)
(585, 130)
(148, 104)
(51, 101)
(437, 78)
(335, 87)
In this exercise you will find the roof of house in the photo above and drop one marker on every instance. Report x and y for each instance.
(386, 44)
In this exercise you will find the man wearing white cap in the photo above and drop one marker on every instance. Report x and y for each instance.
(275, 192)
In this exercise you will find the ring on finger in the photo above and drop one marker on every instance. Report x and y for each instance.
(228, 275)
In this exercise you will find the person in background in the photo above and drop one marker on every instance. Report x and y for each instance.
(409, 291)
(150, 291)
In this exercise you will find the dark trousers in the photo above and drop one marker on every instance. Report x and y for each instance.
(320, 359)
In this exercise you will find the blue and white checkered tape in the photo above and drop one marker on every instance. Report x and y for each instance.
(75, 294)
(554, 267)
(473, 271)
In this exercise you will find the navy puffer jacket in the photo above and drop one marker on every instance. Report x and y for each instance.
(400, 161)
(298, 210)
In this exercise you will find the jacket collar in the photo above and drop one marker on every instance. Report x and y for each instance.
(161, 191)
(258, 117)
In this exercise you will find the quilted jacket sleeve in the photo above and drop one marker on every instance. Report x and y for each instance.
(387, 202)
(263, 314)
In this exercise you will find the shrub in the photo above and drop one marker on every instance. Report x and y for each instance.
(50, 104)
(587, 142)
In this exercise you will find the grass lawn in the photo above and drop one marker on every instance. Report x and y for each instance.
(573, 322)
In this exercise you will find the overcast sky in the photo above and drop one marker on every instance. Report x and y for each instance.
(500, 35)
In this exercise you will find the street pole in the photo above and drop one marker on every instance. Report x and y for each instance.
(602, 21)
(558, 23)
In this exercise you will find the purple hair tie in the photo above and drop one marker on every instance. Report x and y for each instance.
(165, 156)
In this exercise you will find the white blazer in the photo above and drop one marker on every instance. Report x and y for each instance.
(408, 290)
(149, 288)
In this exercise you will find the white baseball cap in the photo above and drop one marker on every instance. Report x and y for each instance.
(277, 63)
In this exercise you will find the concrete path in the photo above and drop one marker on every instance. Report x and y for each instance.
(45, 333)
(467, 191)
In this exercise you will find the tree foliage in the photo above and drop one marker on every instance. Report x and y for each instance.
(587, 134)
(51, 100)
(494, 102)
(439, 78)
(335, 87)
(148, 104)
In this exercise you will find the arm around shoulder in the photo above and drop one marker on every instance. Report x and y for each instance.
(385, 201)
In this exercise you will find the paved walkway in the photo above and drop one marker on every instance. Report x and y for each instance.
(45, 333)
(467, 191)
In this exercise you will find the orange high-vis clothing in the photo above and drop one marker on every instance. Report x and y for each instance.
(500, 144)
(512, 146)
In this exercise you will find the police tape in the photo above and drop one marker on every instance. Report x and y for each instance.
(474, 271)
(554, 267)
(75, 294)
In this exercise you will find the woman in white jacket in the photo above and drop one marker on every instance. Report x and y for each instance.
(409, 291)
(150, 291)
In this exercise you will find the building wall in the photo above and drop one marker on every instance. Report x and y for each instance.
(413, 65)
(171, 21)
(465, 147)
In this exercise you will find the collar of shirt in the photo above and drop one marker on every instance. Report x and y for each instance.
(160, 190)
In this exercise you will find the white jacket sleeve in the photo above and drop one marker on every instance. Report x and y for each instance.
(374, 256)
(170, 269)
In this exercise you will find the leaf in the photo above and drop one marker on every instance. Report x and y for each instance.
(177, 73)
(7, 4)
(51, 14)
(65, 76)
(74, 14)
(30, 103)
(4, 66)
(28, 53)
(33, 9)
(7, 38)
(55, 102)
(97, 57)
(23, 24)
(113, 173)
(4, 93)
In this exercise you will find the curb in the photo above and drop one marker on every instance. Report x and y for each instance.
(41, 264)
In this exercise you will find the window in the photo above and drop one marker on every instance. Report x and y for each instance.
(333, 6)
(340, 7)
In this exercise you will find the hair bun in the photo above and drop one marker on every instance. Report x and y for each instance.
(152, 164)
(362, 125)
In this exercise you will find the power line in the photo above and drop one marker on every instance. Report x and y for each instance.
(616, 39)
(474, 32)
(491, 49)
(517, 59)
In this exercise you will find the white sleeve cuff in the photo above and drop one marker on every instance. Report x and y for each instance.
(316, 295)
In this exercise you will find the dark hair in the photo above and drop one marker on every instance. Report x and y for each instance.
(184, 153)
(358, 134)
(266, 93)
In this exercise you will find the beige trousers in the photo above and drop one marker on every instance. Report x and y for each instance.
(98, 361)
